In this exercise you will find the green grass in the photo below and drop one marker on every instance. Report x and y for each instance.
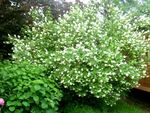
(121, 107)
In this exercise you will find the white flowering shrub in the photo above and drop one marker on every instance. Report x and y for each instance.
(87, 50)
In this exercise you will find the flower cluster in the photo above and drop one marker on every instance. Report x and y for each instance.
(2, 102)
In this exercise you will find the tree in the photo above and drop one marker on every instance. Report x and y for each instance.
(12, 18)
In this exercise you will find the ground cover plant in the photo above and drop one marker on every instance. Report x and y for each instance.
(91, 50)
(25, 88)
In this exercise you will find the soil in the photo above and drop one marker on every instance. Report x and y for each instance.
(140, 98)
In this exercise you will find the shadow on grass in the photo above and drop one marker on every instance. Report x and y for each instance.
(120, 107)
(140, 98)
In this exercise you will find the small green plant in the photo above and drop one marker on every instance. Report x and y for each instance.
(27, 90)
(89, 51)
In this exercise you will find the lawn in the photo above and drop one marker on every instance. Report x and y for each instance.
(137, 101)
(120, 107)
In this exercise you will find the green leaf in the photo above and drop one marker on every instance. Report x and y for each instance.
(44, 105)
(26, 104)
(37, 87)
(15, 103)
(36, 99)
(11, 108)
(2, 90)
(17, 111)
(9, 103)
(50, 111)
(28, 95)
(38, 81)
(52, 104)
(12, 98)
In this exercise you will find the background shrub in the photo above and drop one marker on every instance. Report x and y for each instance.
(96, 50)
(26, 89)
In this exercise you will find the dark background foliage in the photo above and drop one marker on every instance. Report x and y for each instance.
(14, 15)
(11, 20)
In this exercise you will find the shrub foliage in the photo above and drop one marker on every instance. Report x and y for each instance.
(93, 50)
